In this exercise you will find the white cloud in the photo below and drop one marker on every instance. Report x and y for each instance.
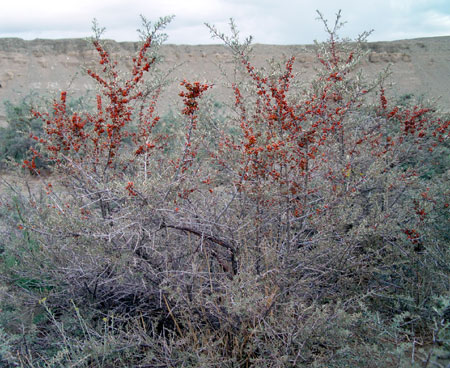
(438, 21)
(269, 21)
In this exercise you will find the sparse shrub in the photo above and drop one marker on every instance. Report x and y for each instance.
(23, 130)
(305, 228)
(16, 138)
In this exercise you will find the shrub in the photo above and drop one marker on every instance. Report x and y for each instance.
(301, 230)
(15, 138)
(23, 130)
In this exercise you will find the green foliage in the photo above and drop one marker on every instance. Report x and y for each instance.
(15, 140)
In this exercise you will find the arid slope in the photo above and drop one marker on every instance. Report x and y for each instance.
(419, 66)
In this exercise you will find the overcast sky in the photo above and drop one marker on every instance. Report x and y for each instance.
(269, 21)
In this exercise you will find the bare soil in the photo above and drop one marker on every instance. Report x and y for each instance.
(45, 67)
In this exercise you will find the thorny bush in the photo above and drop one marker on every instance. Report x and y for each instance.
(273, 238)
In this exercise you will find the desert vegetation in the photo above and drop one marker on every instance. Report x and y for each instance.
(298, 225)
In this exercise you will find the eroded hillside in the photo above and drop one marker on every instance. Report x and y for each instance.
(419, 66)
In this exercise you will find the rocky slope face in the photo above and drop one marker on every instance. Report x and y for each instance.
(419, 66)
